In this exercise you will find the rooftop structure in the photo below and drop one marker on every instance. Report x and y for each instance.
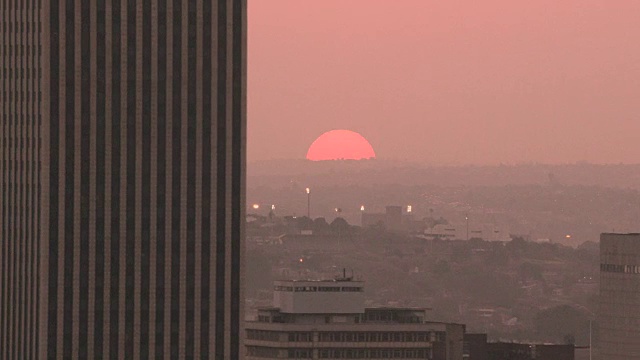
(327, 319)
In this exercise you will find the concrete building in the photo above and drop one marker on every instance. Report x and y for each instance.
(392, 219)
(328, 320)
(487, 232)
(619, 311)
(122, 162)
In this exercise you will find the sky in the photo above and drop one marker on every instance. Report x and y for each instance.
(447, 82)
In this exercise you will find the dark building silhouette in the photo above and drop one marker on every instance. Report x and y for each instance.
(122, 154)
(517, 351)
(476, 347)
(391, 219)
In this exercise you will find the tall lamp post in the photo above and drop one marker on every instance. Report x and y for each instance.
(308, 202)
(466, 217)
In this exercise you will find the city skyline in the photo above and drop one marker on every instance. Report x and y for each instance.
(475, 164)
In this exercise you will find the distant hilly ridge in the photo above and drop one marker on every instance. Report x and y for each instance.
(385, 172)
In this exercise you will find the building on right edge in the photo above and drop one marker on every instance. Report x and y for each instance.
(619, 311)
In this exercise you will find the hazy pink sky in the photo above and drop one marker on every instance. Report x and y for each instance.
(448, 81)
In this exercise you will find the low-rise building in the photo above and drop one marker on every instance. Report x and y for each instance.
(391, 219)
(328, 320)
(487, 232)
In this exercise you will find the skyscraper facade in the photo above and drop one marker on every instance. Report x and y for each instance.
(619, 311)
(123, 158)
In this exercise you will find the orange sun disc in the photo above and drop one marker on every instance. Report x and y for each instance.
(340, 145)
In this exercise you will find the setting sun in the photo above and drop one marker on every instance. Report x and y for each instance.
(340, 145)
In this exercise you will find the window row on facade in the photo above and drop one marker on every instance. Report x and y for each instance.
(374, 353)
(355, 353)
(264, 335)
(319, 288)
(625, 269)
(348, 336)
(380, 336)
(264, 352)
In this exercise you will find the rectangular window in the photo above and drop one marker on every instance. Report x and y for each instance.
(329, 288)
(351, 289)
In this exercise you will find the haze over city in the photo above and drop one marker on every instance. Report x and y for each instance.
(320, 179)
(447, 82)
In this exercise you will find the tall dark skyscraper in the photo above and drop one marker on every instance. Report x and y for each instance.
(122, 148)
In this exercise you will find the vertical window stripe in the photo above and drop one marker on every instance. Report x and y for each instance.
(146, 180)
(207, 73)
(69, 176)
(176, 165)
(161, 175)
(116, 135)
(191, 180)
(130, 220)
(85, 180)
(100, 176)
(221, 182)
(54, 170)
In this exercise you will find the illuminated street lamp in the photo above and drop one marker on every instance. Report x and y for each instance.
(466, 217)
(308, 202)
(409, 208)
(256, 206)
(362, 208)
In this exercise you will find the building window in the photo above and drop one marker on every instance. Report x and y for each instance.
(300, 336)
(262, 352)
(300, 354)
(305, 289)
(263, 335)
(329, 288)
(624, 269)
(352, 289)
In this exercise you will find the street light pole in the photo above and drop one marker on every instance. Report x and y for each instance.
(308, 203)
(466, 217)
